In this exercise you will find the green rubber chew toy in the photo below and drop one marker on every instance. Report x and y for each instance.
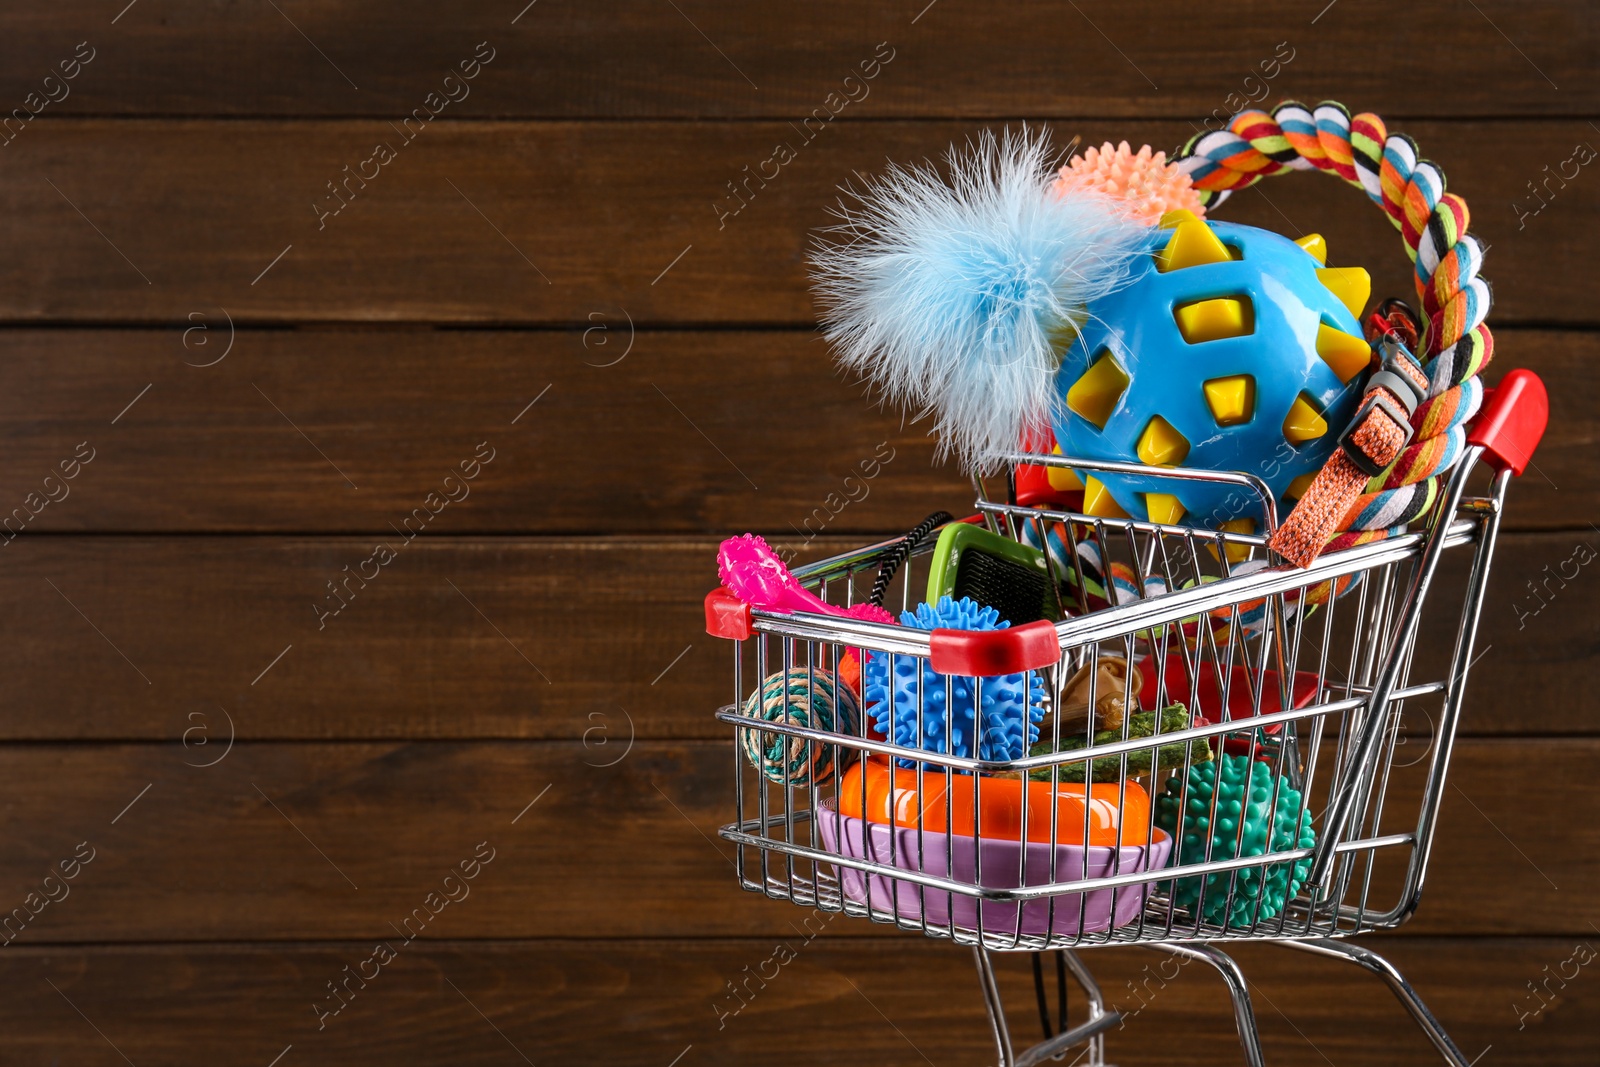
(1109, 768)
(1246, 789)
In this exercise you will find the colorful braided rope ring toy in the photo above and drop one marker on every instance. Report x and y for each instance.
(1454, 344)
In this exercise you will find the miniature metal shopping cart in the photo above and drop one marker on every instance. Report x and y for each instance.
(1309, 686)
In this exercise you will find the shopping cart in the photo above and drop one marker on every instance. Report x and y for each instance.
(1259, 782)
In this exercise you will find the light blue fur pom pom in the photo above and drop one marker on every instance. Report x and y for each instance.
(956, 293)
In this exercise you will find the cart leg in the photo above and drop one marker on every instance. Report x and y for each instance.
(1090, 1031)
(997, 1011)
(1096, 1001)
(1244, 1015)
(1397, 983)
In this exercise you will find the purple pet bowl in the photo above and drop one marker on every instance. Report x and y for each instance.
(955, 858)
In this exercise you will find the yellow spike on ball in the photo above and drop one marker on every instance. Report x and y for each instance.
(1161, 445)
(1163, 508)
(1095, 395)
(1097, 500)
(1298, 487)
(1352, 285)
(1214, 320)
(1062, 477)
(1304, 422)
(1192, 244)
(1232, 400)
(1348, 355)
(1316, 245)
(1239, 526)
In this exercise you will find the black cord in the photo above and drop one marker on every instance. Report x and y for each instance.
(1038, 988)
(1061, 994)
(894, 557)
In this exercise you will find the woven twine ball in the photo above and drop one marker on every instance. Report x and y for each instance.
(1246, 790)
(801, 697)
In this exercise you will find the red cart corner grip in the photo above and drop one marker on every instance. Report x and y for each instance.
(727, 615)
(986, 653)
(1512, 420)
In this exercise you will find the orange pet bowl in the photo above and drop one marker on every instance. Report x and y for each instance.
(998, 804)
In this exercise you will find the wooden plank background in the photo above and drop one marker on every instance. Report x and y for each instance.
(252, 389)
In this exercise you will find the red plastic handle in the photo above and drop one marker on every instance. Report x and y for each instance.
(727, 615)
(986, 653)
(1512, 421)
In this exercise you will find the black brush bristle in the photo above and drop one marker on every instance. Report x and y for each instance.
(1018, 593)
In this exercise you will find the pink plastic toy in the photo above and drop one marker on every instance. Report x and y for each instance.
(751, 571)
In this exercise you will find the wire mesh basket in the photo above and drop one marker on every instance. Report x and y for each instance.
(1235, 667)
(1192, 743)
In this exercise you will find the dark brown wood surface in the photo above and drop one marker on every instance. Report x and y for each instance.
(552, 222)
(640, 432)
(526, 637)
(643, 1002)
(555, 272)
(628, 850)
(726, 59)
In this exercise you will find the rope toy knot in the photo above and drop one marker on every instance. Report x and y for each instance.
(1454, 343)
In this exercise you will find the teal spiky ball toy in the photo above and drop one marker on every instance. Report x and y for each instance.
(1245, 792)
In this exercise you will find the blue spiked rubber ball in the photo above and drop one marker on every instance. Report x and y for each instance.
(1009, 702)
(1138, 327)
(1244, 793)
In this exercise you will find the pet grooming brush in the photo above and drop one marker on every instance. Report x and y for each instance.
(1013, 578)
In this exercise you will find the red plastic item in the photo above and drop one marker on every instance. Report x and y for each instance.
(1240, 707)
(986, 653)
(1033, 480)
(727, 615)
(850, 675)
(1512, 420)
(1034, 488)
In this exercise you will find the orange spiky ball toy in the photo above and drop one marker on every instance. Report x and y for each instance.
(1143, 180)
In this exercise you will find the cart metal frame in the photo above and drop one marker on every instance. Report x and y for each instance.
(1194, 603)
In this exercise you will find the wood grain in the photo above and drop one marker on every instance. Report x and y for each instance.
(298, 841)
(604, 60)
(550, 222)
(271, 376)
(633, 432)
(906, 1001)
(696, 432)
(503, 637)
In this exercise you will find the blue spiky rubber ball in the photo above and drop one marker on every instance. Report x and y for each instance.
(1231, 348)
(1009, 702)
(1246, 791)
